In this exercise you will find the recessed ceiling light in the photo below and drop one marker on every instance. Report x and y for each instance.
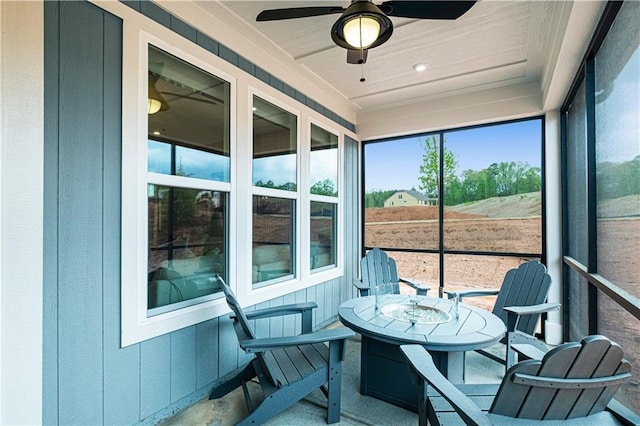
(419, 67)
(157, 133)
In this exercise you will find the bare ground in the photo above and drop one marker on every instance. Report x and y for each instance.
(618, 248)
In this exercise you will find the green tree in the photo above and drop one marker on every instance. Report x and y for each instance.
(510, 178)
(324, 187)
(429, 177)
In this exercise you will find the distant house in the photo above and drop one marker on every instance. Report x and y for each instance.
(409, 198)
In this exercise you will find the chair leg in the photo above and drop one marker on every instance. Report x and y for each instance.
(422, 402)
(233, 380)
(336, 354)
(277, 400)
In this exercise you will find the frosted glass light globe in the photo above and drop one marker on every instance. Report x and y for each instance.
(361, 31)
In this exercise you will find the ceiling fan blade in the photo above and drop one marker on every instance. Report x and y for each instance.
(426, 9)
(355, 56)
(297, 12)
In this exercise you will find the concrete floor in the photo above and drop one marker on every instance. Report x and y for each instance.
(356, 409)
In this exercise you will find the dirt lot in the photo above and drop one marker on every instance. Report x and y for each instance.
(417, 228)
(618, 248)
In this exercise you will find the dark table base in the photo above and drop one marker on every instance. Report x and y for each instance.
(384, 373)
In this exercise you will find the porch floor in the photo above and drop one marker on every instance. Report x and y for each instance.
(356, 409)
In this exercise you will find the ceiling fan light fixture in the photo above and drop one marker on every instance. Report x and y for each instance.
(153, 106)
(361, 31)
(155, 101)
(361, 26)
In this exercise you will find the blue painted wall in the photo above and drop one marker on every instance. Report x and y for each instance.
(88, 378)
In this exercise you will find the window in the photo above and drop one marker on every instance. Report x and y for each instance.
(617, 143)
(176, 192)
(323, 166)
(492, 188)
(490, 180)
(275, 186)
(187, 154)
(197, 202)
(601, 160)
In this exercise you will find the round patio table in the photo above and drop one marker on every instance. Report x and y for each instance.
(384, 373)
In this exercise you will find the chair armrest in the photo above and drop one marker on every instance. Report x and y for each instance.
(533, 309)
(515, 312)
(420, 288)
(362, 289)
(271, 343)
(422, 364)
(472, 293)
(295, 308)
(623, 413)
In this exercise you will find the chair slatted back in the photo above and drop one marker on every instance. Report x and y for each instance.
(525, 286)
(280, 366)
(379, 269)
(596, 369)
(240, 323)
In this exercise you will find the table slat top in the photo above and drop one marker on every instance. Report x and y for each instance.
(475, 328)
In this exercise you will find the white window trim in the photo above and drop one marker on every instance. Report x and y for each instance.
(136, 325)
(276, 193)
(339, 200)
(303, 277)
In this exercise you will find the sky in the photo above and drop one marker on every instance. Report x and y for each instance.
(280, 169)
(474, 149)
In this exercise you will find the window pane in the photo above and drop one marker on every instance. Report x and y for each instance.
(577, 304)
(274, 146)
(273, 238)
(576, 177)
(189, 118)
(466, 272)
(401, 209)
(624, 329)
(187, 244)
(618, 151)
(323, 164)
(421, 267)
(323, 234)
(492, 188)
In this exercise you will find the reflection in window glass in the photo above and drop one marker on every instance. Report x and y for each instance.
(187, 244)
(273, 251)
(189, 114)
(323, 234)
(323, 162)
(618, 151)
(275, 141)
(188, 136)
(492, 188)
(159, 157)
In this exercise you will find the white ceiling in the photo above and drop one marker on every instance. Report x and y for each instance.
(495, 44)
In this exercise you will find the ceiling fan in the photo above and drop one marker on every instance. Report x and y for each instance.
(364, 25)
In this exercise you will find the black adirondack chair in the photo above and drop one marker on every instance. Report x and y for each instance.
(379, 270)
(519, 304)
(288, 368)
(573, 384)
